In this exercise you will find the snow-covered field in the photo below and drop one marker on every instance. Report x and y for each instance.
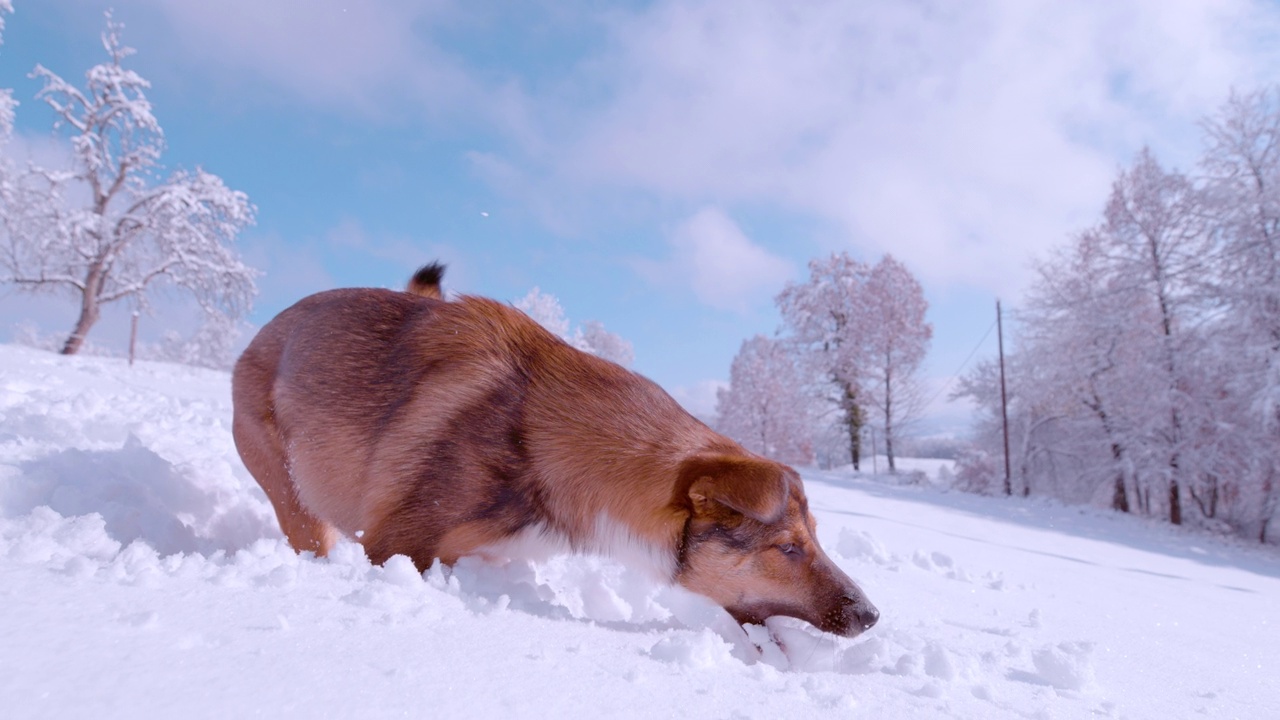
(142, 575)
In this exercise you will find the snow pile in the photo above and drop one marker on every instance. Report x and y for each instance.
(142, 574)
(1066, 665)
(148, 448)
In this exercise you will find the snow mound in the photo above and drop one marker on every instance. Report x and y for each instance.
(46, 538)
(138, 494)
(700, 651)
(858, 545)
(1066, 666)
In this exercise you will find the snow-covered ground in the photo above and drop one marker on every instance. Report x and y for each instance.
(142, 575)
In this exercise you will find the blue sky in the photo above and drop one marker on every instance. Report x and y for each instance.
(661, 167)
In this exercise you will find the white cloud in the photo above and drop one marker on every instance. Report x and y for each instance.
(369, 58)
(965, 138)
(722, 266)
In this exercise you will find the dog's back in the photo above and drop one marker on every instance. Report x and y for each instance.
(438, 427)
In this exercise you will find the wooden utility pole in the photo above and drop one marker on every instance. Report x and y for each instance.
(1004, 402)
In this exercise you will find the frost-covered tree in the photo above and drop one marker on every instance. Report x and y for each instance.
(1242, 167)
(1155, 236)
(895, 336)
(103, 231)
(1085, 359)
(767, 407)
(1076, 384)
(591, 336)
(595, 339)
(7, 103)
(545, 308)
(1109, 356)
(823, 317)
(863, 329)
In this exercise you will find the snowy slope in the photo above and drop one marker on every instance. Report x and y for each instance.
(142, 575)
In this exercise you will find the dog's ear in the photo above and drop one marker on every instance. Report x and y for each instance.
(754, 487)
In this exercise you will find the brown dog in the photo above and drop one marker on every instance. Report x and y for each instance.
(441, 429)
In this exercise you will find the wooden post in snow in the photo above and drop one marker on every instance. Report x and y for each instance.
(875, 463)
(133, 337)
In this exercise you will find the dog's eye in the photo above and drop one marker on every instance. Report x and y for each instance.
(790, 549)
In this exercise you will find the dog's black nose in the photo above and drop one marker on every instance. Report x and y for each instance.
(864, 614)
(867, 615)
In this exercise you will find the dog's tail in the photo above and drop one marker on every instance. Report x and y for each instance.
(426, 282)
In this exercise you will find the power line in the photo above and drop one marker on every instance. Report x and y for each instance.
(964, 364)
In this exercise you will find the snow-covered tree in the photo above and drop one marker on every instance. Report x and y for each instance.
(1076, 383)
(1106, 376)
(103, 231)
(767, 407)
(1242, 168)
(861, 328)
(7, 103)
(1155, 236)
(823, 318)
(545, 308)
(591, 336)
(895, 336)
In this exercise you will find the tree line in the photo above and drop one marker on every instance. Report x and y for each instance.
(1146, 375)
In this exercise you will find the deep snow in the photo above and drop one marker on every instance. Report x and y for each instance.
(142, 575)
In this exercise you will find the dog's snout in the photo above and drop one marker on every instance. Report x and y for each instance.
(864, 614)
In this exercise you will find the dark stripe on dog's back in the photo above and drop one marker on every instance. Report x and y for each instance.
(405, 367)
(485, 444)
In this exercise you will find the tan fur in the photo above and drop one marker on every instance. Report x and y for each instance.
(440, 429)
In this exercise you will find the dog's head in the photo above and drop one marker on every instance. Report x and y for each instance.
(750, 545)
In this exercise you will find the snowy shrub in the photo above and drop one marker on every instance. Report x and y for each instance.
(976, 472)
(29, 335)
(211, 346)
(913, 477)
(945, 477)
